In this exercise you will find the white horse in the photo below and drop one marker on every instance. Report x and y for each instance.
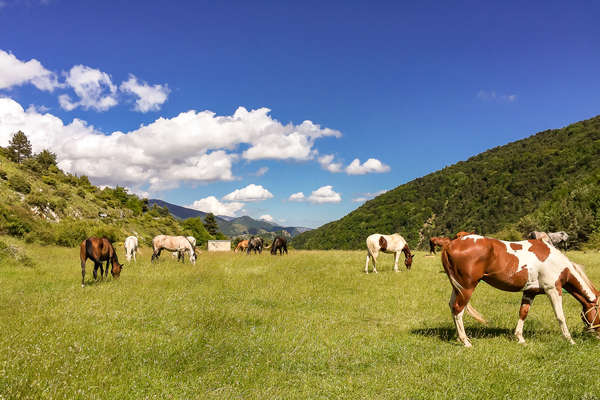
(178, 244)
(131, 247)
(192, 241)
(387, 244)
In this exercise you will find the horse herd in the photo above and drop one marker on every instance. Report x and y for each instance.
(533, 266)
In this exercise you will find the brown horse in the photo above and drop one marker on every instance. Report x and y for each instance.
(530, 266)
(241, 246)
(99, 250)
(462, 234)
(279, 243)
(437, 241)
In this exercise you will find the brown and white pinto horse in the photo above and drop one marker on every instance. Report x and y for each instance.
(387, 244)
(462, 234)
(99, 250)
(437, 241)
(531, 266)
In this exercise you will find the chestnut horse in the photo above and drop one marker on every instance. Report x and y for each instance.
(99, 250)
(531, 266)
(279, 243)
(241, 246)
(437, 241)
(387, 244)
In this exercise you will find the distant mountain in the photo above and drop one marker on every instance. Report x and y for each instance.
(232, 226)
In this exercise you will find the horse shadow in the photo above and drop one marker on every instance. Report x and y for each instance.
(448, 333)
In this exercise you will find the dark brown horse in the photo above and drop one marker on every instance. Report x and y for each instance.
(256, 244)
(279, 243)
(99, 250)
(437, 241)
(530, 266)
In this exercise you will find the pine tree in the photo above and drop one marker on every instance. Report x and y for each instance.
(45, 159)
(210, 223)
(19, 147)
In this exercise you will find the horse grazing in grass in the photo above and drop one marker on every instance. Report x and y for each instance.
(279, 243)
(131, 247)
(558, 238)
(437, 241)
(99, 250)
(180, 255)
(387, 244)
(241, 246)
(179, 244)
(539, 236)
(530, 266)
(256, 244)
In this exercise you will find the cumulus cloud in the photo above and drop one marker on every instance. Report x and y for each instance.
(14, 72)
(211, 204)
(324, 194)
(192, 147)
(372, 165)
(487, 95)
(328, 164)
(150, 98)
(93, 87)
(367, 196)
(297, 197)
(251, 192)
(267, 218)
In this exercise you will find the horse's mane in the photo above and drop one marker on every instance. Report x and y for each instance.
(580, 269)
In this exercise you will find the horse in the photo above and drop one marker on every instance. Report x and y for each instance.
(387, 244)
(559, 237)
(131, 247)
(241, 246)
(256, 244)
(437, 241)
(279, 243)
(539, 236)
(99, 250)
(530, 266)
(462, 233)
(192, 241)
(179, 244)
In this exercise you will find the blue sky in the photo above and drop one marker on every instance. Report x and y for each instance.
(415, 87)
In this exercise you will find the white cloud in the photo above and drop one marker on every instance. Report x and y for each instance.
(487, 95)
(297, 197)
(150, 98)
(261, 171)
(324, 194)
(93, 87)
(251, 192)
(267, 218)
(327, 163)
(369, 166)
(211, 204)
(192, 147)
(367, 196)
(14, 72)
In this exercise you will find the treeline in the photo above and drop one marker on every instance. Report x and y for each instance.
(548, 181)
(42, 204)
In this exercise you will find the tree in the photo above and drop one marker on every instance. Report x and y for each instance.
(45, 159)
(19, 147)
(210, 223)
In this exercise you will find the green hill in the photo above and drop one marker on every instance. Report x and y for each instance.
(548, 181)
(41, 204)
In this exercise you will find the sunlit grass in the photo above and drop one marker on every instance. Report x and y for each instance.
(307, 325)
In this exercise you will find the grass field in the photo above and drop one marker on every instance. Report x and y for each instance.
(308, 325)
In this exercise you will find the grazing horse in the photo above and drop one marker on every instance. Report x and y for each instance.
(559, 237)
(180, 255)
(179, 244)
(241, 246)
(99, 250)
(387, 244)
(437, 241)
(131, 247)
(530, 266)
(256, 244)
(463, 233)
(279, 243)
(539, 236)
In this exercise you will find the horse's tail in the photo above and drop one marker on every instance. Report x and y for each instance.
(83, 251)
(458, 288)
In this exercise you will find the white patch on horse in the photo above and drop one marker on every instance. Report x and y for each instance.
(474, 237)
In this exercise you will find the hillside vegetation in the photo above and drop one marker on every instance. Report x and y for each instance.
(41, 204)
(549, 181)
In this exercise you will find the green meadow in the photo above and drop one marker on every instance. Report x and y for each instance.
(310, 325)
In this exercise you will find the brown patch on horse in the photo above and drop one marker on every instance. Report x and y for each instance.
(516, 246)
(382, 243)
(540, 249)
(463, 234)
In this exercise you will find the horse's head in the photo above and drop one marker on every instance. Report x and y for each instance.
(591, 316)
(193, 257)
(408, 257)
(116, 269)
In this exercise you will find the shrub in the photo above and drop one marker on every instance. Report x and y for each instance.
(42, 234)
(19, 184)
(111, 233)
(14, 255)
(3, 175)
(81, 193)
(49, 181)
(71, 234)
(40, 201)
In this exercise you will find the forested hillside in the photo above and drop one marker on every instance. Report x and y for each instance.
(548, 181)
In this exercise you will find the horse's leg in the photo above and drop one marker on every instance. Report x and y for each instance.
(106, 270)
(396, 257)
(374, 259)
(95, 270)
(458, 302)
(367, 263)
(526, 301)
(556, 299)
(82, 272)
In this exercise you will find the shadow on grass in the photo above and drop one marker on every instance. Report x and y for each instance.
(448, 333)
(99, 281)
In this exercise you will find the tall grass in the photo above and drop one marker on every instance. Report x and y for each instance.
(307, 325)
